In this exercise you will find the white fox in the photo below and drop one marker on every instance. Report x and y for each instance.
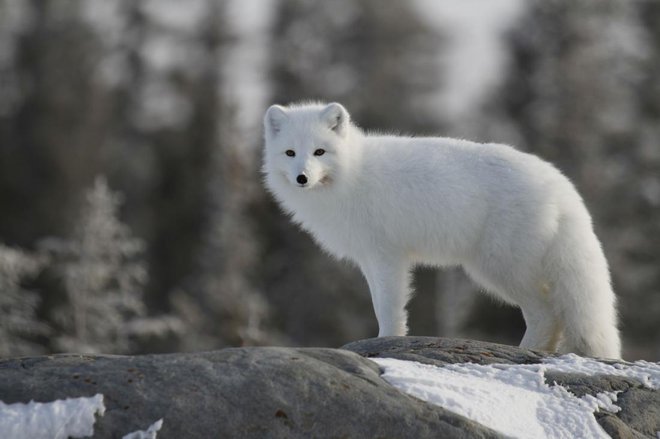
(513, 221)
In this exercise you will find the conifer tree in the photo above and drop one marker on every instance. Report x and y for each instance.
(378, 59)
(19, 324)
(103, 276)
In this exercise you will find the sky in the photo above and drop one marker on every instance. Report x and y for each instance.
(246, 73)
(475, 54)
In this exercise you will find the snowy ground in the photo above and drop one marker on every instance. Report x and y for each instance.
(514, 399)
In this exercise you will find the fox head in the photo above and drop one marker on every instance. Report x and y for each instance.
(304, 144)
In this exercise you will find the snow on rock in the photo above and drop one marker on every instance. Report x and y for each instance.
(60, 419)
(150, 433)
(514, 399)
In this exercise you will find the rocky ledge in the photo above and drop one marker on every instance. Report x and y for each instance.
(294, 392)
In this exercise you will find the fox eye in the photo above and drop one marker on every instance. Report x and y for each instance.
(290, 153)
(319, 151)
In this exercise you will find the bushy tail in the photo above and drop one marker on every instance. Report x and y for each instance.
(581, 277)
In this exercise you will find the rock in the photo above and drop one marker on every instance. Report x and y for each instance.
(440, 351)
(640, 407)
(287, 392)
(238, 392)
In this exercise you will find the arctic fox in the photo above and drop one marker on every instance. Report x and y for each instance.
(513, 221)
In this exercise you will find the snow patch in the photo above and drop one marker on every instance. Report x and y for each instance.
(150, 433)
(514, 399)
(60, 419)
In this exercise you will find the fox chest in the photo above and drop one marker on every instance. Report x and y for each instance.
(340, 231)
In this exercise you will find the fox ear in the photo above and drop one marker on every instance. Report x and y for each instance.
(336, 118)
(274, 120)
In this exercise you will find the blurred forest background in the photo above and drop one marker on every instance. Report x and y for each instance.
(132, 214)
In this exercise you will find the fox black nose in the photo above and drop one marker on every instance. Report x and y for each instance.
(301, 179)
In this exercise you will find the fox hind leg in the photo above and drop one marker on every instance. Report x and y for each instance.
(544, 330)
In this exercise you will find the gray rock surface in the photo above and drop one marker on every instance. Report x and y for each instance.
(241, 392)
(640, 407)
(287, 392)
(441, 351)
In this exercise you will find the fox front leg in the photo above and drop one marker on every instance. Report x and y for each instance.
(388, 280)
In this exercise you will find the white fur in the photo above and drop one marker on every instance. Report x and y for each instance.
(512, 220)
